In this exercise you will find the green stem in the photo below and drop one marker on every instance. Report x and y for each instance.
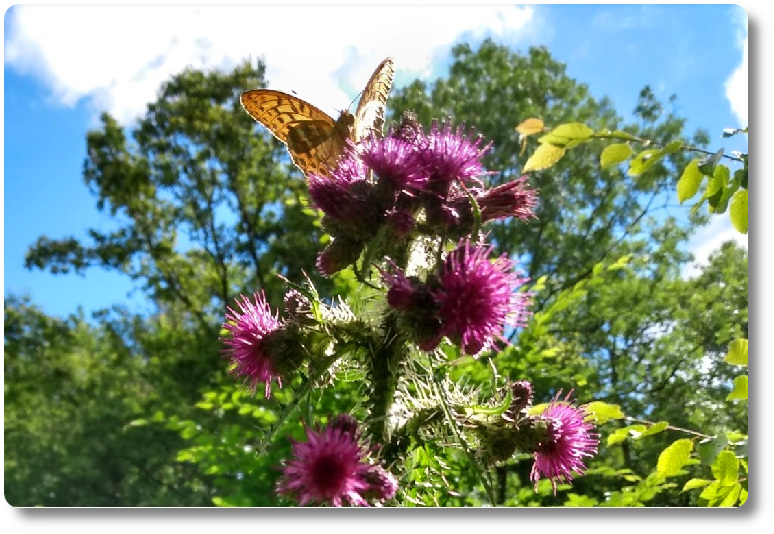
(453, 423)
(670, 427)
(385, 363)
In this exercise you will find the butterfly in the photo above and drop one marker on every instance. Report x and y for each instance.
(314, 139)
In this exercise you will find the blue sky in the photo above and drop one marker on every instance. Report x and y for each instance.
(63, 65)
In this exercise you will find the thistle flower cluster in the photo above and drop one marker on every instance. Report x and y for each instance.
(384, 197)
(410, 183)
(413, 183)
(333, 467)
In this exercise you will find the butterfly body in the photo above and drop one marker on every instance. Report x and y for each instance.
(315, 140)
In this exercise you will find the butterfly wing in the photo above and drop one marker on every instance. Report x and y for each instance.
(313, 139)
(369, 116)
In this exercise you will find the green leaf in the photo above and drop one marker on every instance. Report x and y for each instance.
(689, 182)
(618, 436)
(654, 429)
(620, 263)
(614, 154)
(580, 501)
(738, 211)
(673, 458)
(708, 449)
(710, 493)
(732, 497)
(740, 389)
(620, 134)
(567, 135)
(720, 177)
(726, 468)
(599, 412)
(644, 160)
(673, 147)
(696, 483)
(737, 353)
(621, 434)
(707, 165)
(543, 157)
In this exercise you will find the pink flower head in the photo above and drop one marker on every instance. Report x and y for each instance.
(383, 485)
(331, 467)
(451, 155)
(345, 203)
(394, 160)
(250, 353)
(511, 199)
(477, 297)
(349, 168)
(570, 441)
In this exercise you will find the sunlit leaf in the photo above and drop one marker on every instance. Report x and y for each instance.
(689, 182)
(738, 210)
(695, 483)
(725, 469)
(644, 160)
(530, 126)
(673, 458)
(740, 389)
(566, 135)
(543, 157)
(601, 412)
(614, 154)
(737, 353)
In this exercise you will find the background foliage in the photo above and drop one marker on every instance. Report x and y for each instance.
(127, 410)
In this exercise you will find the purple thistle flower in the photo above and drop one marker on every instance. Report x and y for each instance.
(477, 297)
(332, 467)
(401, 293)
(570, 441)
(451, 155)
(417, 305)
(394, 160)
(383, 485)
(349, 168)
(344, 203)
(248, 346)
(511, 199)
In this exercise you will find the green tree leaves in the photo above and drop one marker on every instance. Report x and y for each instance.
(672, 459)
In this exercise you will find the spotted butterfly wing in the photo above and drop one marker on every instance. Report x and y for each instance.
(314, 139)
(369, 117)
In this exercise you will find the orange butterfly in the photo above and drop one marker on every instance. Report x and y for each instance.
(314, 139)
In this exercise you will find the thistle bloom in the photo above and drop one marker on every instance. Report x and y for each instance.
(451, 155)
(249, 347)
(570, 439)
(477, 297)
(511, 199)
(332, 467)
(394, 160)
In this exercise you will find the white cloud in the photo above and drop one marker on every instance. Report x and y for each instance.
(116, 57)
(736, 84)
(709, 239)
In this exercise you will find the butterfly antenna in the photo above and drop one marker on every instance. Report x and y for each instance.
(357, 96)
